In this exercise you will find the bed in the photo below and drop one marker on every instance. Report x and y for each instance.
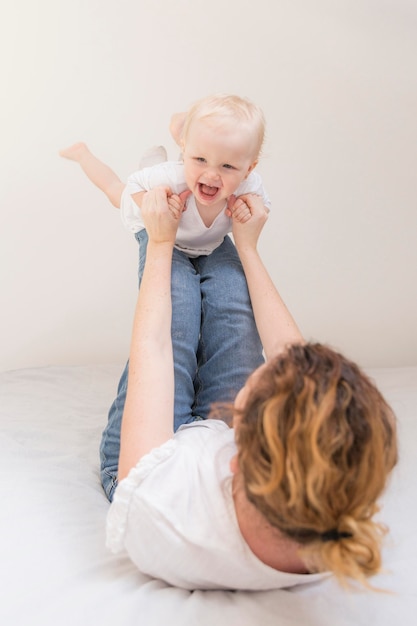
(56, 569)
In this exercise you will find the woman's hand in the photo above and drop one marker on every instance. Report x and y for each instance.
(249, 216)
(161, 211)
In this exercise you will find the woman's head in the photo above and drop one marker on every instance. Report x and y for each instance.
(316, 442)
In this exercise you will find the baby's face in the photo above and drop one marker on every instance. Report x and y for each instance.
(217, 158)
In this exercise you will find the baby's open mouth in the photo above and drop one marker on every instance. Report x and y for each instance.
(207, 191)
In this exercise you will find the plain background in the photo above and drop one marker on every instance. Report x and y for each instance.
(337, 80)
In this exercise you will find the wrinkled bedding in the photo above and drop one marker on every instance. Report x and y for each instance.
(55, 569)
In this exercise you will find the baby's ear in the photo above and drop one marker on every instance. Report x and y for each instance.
(176, 126)
(251, 167)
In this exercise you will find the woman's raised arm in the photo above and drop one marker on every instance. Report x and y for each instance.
(148, 416)
(275, 323)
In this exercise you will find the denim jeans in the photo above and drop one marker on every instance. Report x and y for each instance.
(215, 342)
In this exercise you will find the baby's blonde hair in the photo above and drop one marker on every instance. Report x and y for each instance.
(224, 107)
(316, 442)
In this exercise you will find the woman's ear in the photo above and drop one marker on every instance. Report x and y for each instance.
(234, 464)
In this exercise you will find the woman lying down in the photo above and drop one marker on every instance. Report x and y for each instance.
(288, 495)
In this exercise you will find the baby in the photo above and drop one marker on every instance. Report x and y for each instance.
(221, 138)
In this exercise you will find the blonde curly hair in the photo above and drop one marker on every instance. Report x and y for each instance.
(316, 442)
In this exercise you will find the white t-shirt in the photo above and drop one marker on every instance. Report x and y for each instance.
(174, 516)
(193, 236)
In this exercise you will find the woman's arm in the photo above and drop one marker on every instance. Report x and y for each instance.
(149, 410)
(275, 323)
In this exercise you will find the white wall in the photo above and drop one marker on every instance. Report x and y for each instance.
(337, 80)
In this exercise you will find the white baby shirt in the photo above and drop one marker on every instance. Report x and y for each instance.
(174, 515)
(194, 238)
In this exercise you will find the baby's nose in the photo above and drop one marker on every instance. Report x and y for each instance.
(212, 173)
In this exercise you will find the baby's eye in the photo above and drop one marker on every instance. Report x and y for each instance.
(200, 159)
(228, 166)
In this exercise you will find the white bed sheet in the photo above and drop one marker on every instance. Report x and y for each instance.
(55, 569)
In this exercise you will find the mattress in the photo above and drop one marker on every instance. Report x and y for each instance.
(56, 570)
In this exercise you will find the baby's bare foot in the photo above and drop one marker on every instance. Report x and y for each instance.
(75, 152)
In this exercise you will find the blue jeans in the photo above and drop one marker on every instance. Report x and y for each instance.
(215, 342)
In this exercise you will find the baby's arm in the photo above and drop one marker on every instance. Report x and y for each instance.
(98, 172)
(165, 176)
(176, 202)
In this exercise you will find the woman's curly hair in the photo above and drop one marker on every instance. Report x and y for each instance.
(316, 442)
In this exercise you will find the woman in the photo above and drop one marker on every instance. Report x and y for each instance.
(285, 496)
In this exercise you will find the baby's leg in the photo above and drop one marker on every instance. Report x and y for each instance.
(98, 172)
